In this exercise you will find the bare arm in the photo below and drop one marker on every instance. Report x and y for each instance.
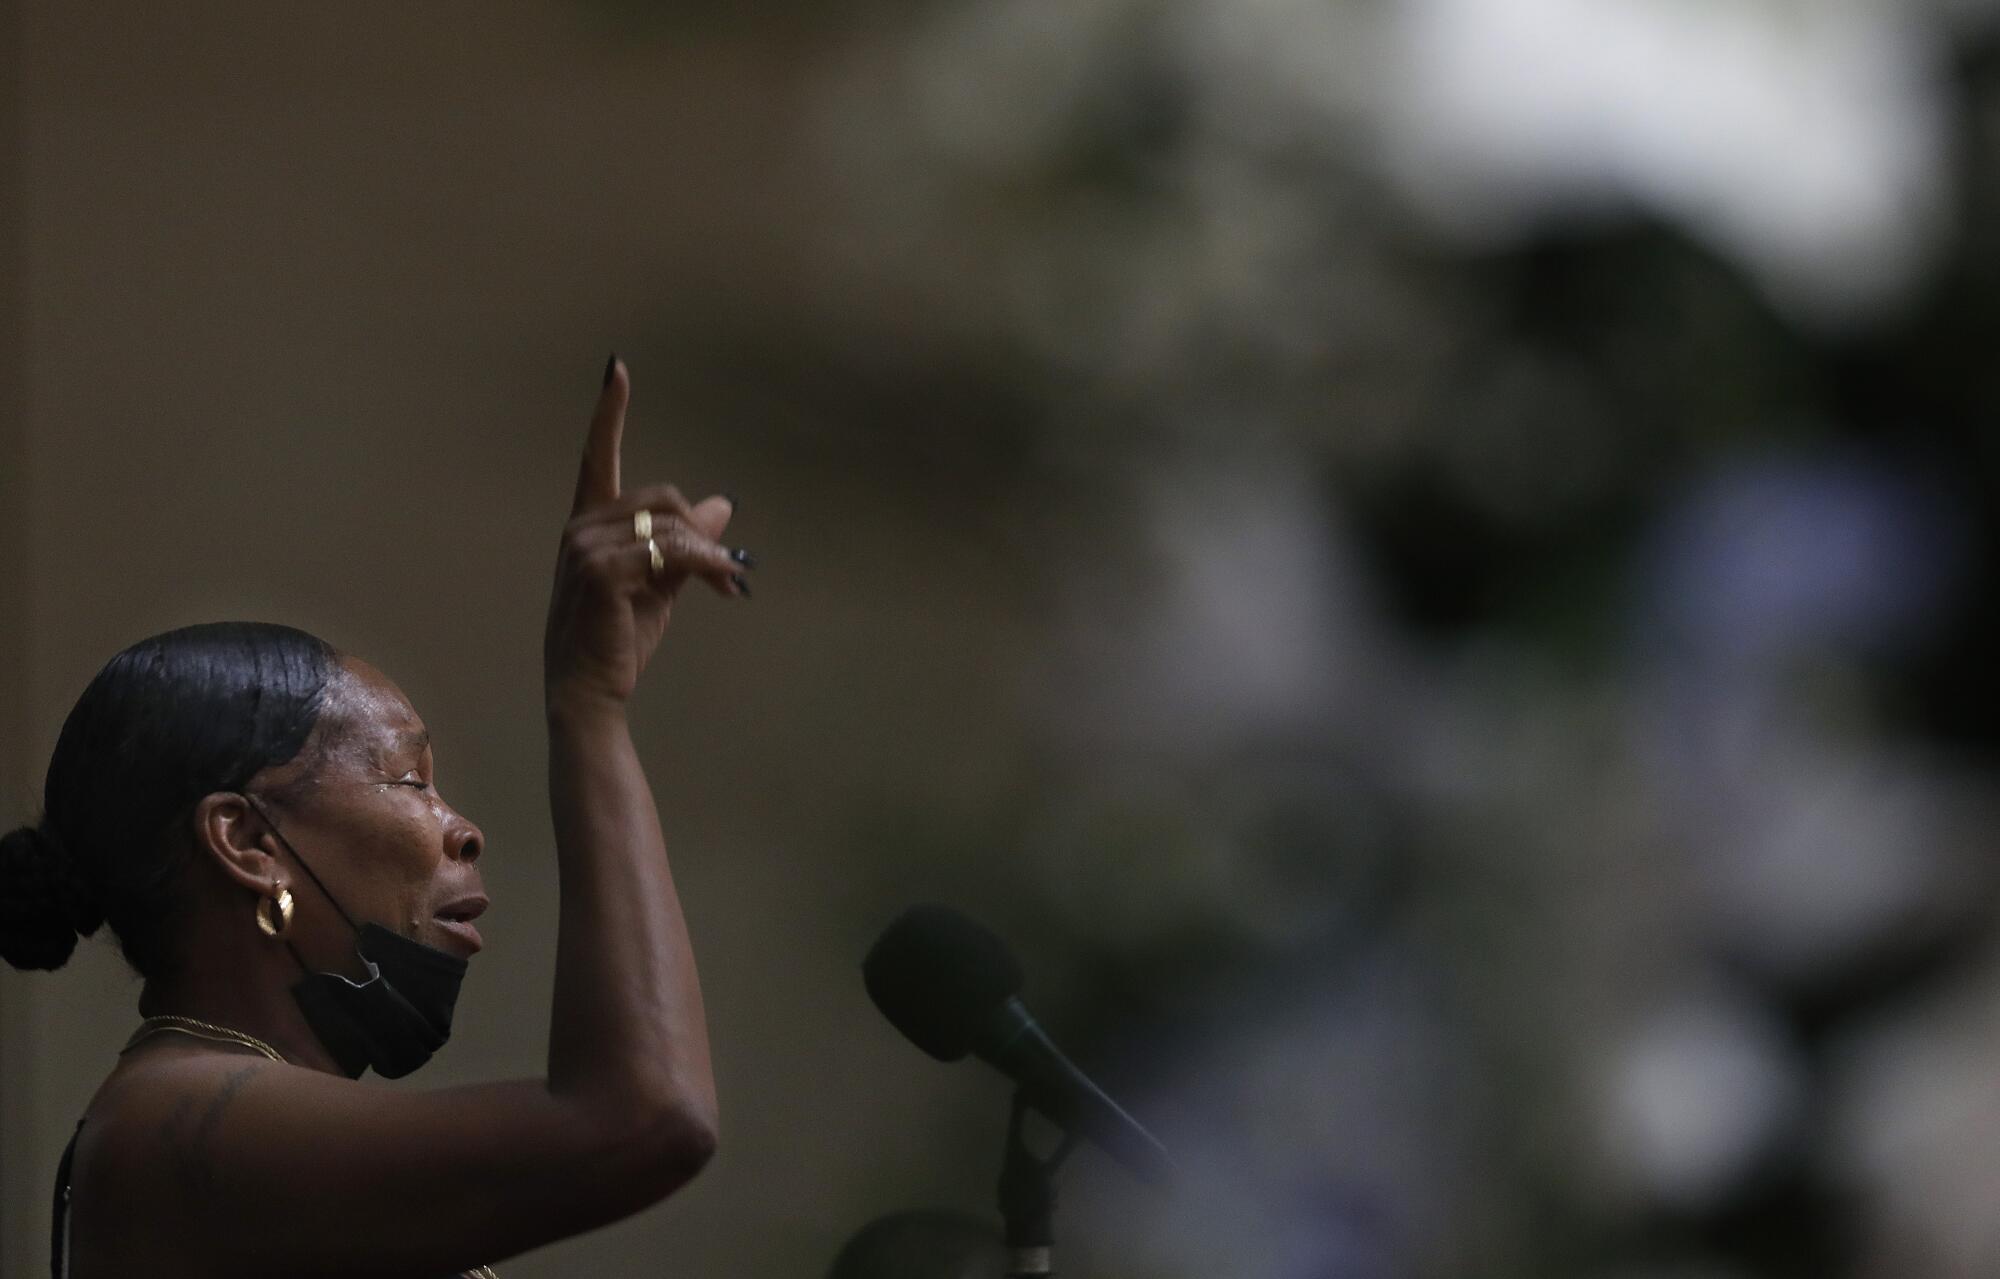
(627, 1029)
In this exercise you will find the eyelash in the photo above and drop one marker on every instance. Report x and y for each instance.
(420, 785)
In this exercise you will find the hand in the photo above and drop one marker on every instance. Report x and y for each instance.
(609, 608)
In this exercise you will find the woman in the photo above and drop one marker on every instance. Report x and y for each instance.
(255, 815)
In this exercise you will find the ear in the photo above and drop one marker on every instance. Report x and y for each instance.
(237, 840)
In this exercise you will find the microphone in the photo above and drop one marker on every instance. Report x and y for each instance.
(951, 987)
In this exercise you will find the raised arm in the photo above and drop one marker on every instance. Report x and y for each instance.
(219, 1163)
(628, 1027)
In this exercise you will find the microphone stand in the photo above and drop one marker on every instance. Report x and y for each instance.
(1028, 1198)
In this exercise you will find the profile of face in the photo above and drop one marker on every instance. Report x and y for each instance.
(361, 806)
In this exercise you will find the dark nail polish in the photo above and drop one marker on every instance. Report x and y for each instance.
(734, 505)
(741, 583)
(743, 557)
(610, 367)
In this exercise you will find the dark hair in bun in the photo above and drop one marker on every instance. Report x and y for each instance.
(45, 907)
(169, 720)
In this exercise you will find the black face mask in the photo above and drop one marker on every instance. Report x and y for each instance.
(395, 1019)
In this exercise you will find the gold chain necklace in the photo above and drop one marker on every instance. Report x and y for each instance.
(199, 1030)
(224, 1035)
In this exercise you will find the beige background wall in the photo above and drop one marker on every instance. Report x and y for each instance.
(17, 1115)
(313, 309)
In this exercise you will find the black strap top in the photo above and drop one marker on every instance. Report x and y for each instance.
(59, 1243)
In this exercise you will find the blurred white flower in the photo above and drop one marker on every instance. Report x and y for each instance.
(1698, 1096)
(1805, 141)
(1915, 1133)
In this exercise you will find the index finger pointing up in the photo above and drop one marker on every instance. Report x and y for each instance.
(597, 478)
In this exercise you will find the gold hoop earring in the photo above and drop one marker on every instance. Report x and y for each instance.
(281, 906)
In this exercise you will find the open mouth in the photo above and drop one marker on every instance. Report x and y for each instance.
(456, 920)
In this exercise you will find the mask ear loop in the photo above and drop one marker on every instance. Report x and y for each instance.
(296, 958)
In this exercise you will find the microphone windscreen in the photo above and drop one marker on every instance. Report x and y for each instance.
(937, 975)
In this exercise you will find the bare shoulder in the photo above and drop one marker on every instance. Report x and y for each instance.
(148, 1152)
(215, 1163)
(169, 1097)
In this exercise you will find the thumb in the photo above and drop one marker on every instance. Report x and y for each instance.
(711, 515)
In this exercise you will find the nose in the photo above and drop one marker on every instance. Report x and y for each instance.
(464, 839)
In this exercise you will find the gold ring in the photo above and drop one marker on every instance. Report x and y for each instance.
(653, 551)
(642, 525)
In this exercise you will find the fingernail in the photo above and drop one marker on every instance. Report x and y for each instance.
(743, 557)
(610, 367)
(733, 503)
(741, 583)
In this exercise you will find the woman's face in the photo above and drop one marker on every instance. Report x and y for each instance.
(362, 809)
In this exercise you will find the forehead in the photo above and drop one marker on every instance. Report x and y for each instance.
(365, 716)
